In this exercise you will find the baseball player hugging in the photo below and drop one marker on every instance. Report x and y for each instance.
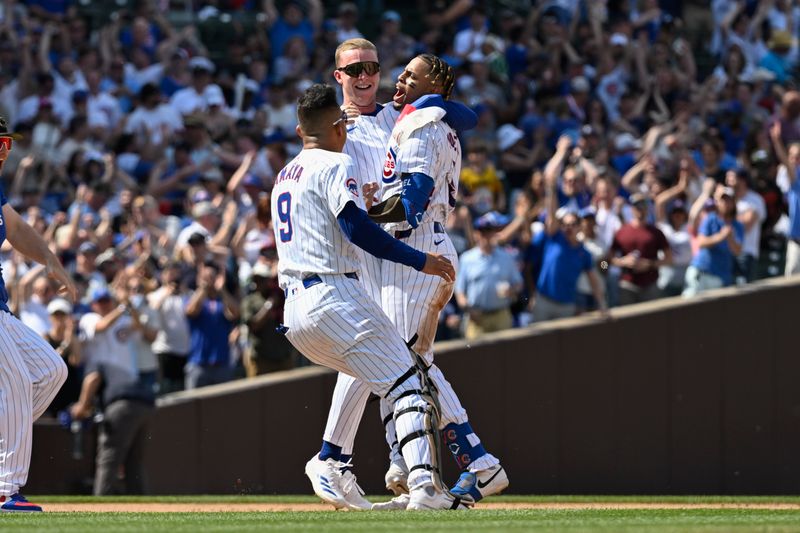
(330, 319)
(419, 180)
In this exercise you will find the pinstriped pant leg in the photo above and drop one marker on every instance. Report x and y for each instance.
(46, 368)
(16, 416)
(347, 407)
(338, 326)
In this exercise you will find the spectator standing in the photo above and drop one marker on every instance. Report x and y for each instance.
(636, 250)
(62, 337)
(719, 238)
(598, 250)
(563, 256)
(172, 342)
(128, 391)
(212, 312)
(672, 219)
(262, 310)
(488, 280)
(791, 161)
(751, 211)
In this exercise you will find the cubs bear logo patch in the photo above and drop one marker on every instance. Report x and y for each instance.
(389, 166)
(352, 186)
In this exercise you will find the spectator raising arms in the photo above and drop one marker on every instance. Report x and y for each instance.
(719, 238)
(563, 256)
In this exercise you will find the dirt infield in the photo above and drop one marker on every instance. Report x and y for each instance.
(211, 507)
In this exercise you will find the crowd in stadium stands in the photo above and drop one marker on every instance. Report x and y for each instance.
(626, 150)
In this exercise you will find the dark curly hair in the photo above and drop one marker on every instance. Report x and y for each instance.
(441, 73)
(317, 98)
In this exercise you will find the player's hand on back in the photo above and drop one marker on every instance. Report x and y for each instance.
(439, 265)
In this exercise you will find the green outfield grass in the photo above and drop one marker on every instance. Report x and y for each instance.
(570, 520)
(660, 521)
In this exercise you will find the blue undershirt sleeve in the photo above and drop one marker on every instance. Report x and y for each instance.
(368, 236)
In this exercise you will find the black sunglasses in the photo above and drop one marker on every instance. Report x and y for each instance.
(354, 70)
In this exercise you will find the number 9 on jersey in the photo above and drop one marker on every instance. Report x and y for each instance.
(285, 216)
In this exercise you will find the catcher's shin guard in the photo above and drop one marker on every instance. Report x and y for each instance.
(433, 418)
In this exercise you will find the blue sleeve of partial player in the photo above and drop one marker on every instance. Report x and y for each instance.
(459, 116)
(368, 236)
(417, 190)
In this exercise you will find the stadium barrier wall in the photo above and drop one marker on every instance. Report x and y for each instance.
(669, 397)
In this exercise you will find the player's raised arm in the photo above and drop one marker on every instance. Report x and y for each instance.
(29, 243)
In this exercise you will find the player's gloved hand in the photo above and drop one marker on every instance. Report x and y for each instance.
(439, 265)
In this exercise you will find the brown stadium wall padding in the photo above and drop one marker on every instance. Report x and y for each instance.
(670, 397)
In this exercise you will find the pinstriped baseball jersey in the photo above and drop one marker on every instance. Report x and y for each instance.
(309, 194)
(366, 143)
(433, 149)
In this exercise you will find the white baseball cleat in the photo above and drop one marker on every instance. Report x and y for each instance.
(482, 483)
(398, 503)
(427, 497)
(326, 478)
(353, 493)
(397, 478)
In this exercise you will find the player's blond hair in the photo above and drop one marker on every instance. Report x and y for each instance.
(353, 44)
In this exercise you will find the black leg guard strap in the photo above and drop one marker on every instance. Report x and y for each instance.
(409, 393)
(402, 379)
(456, 503)
(387, 419)
(414, 435)
(414, 409)
(429, 468)
(412, 341)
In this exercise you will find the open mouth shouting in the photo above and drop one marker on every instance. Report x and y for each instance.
(399, 97)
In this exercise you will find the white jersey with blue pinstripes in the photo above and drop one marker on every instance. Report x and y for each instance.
(309, 194)
(433, 149)
(366, 143)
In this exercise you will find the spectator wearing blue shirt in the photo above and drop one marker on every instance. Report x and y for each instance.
(212, 312)
(488, 280)
(294, 23)
(791, 160)
(720, 238)
(563, 256)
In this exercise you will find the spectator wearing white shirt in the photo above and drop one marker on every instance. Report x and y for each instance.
(751, 211)
(34, 292)
(172, 341)
(192, 99)
(470, 40)
(104, 112)
(152, 119)
(206, 220)
(45, 95)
